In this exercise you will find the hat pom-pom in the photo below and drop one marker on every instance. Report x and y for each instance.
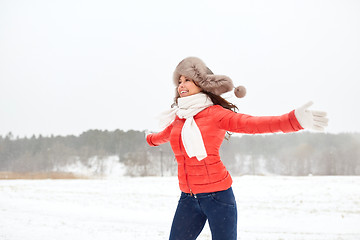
(240, 91)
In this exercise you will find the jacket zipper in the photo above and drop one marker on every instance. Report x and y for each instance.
(186, 173)
(186, 177)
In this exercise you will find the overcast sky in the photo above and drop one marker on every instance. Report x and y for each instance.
(69, 66)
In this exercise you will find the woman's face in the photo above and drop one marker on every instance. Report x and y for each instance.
(187, 87)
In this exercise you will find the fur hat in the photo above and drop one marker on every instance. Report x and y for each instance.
(195, 69)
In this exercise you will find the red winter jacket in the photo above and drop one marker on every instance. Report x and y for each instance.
(209, 174)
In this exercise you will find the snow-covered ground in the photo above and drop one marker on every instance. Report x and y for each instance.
(269, 208)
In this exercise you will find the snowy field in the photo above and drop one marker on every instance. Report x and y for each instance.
(269, 208)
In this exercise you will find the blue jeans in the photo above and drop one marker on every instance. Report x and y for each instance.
(219, 208)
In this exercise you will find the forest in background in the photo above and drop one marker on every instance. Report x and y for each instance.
(294, 154)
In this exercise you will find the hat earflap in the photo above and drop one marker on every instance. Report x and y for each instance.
(217, 84)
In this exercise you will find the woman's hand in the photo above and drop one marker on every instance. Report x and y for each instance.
(309, 119)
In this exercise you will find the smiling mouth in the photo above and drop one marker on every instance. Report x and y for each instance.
(183, 92)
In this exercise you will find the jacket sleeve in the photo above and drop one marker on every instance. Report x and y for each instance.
(155, 139)
(242, 123)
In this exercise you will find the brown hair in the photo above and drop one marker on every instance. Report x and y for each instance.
(218, 100)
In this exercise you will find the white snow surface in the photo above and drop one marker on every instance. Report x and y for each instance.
(269, 208)
(110, 167)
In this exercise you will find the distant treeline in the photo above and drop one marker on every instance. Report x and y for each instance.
(294, 154)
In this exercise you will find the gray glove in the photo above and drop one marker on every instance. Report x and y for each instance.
(309, 119)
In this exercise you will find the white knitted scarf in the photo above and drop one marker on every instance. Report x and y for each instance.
(187, 108)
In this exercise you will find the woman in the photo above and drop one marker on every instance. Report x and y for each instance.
(196, 127)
